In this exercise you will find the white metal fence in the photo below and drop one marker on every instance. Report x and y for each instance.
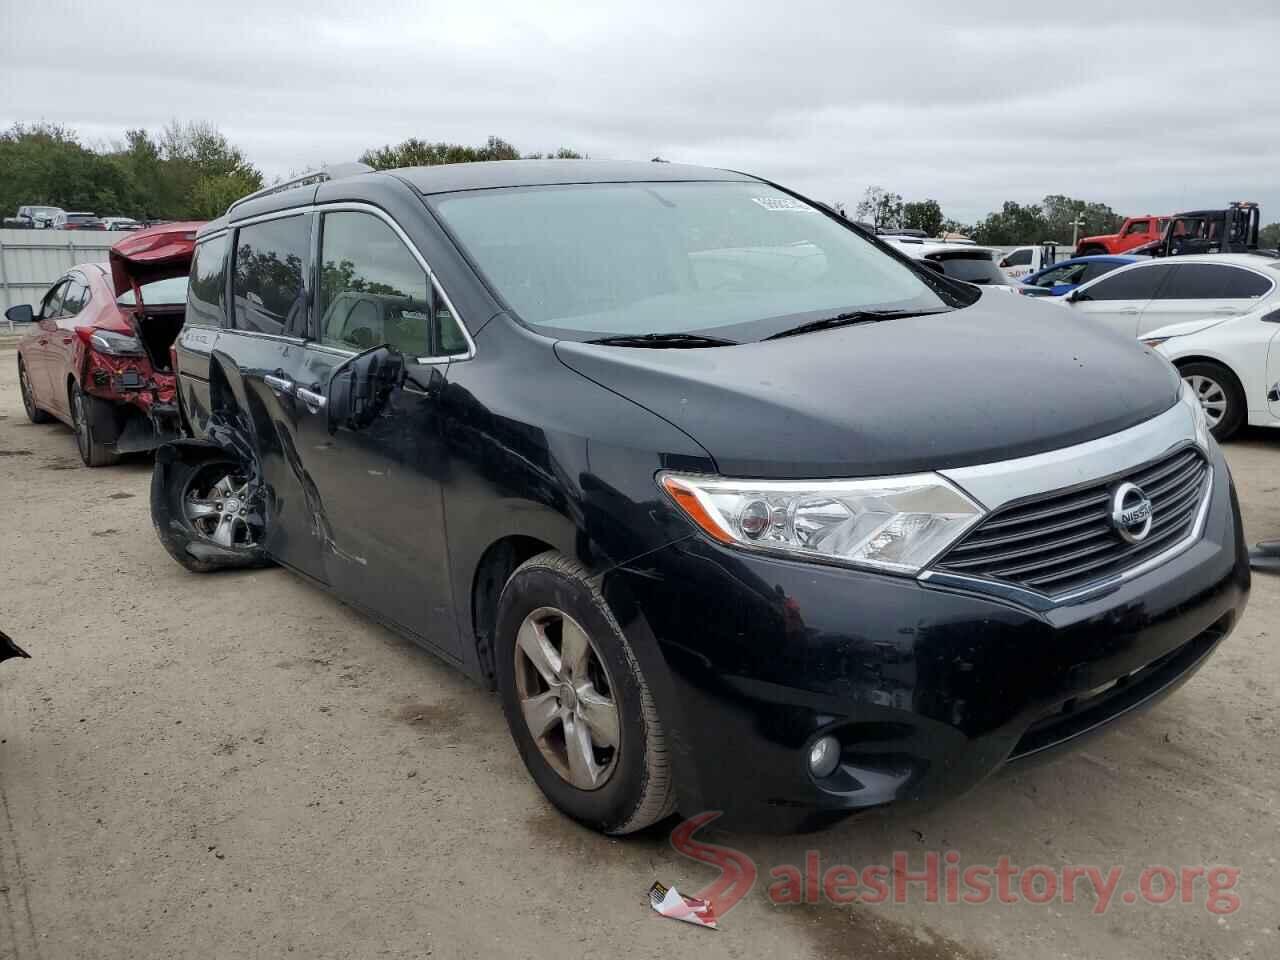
(30, 260)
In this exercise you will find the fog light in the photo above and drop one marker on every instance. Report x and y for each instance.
(824, 755)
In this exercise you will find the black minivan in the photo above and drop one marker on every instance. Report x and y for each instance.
(737, 508)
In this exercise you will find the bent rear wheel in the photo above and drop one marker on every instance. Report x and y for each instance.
(209, 514)
(88, 417)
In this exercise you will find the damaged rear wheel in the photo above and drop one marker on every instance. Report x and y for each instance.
(208, 514)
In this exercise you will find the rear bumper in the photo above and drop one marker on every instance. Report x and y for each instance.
(144, 410)
(928, 690)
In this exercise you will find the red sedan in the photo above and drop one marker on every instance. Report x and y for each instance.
(98, 356)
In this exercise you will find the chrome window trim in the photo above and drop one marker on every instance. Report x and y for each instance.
(258, 334)
(995, 485)
(353, 206)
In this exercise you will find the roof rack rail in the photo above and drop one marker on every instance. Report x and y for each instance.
(336, 171)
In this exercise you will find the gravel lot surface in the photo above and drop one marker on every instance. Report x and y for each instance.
(238, 765)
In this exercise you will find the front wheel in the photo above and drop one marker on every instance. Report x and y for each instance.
(576, 701)
(34, 413)
(208, 514)
(1220, 395)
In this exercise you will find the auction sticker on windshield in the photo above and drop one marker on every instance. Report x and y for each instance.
(782, 203)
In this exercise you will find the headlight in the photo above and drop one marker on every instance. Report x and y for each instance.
(116, 344)
(892, 524)
(1201, 422)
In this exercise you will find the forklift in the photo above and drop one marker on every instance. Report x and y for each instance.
(1233, 230)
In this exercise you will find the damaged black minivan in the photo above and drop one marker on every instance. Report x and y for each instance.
(736, 507)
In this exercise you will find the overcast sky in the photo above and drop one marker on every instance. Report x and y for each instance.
(1146, 106)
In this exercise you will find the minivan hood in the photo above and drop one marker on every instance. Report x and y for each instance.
(1004, 378)
(156, 253)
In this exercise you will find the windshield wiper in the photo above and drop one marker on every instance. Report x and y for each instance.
(850, 319)
(664, 340)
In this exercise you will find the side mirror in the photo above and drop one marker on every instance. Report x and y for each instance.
(1072, 296)
(360, 388)
(20, 313)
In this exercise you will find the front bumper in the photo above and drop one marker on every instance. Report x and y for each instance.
(928, 689)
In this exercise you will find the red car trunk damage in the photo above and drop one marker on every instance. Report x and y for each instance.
(160, 253)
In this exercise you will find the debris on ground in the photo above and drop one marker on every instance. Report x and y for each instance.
(669, 902)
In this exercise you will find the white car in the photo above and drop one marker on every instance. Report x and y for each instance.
(1232, 363)
(962, 261)
(1137, 299)
(121, 223)
(1024, 261)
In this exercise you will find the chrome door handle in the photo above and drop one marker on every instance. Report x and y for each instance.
(314, 401)
(278, 384)
(1128, 313)
(1227, 310)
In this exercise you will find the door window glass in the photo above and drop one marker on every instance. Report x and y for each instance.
(1210, 281)
(1019, 258)
(76, 297)
(1140, 283)
(207, 289)
(1142, 226)
(373, 291)
(53, 301)
(1093, 271)
(271, 258)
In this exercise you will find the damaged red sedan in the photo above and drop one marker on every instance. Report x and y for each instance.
(98, 356)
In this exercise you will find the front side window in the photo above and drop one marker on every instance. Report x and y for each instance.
(52, 304)
(1140, 283)
(76, 297)
(270, 266)
(373, 291)
(1209, 281)
(1019, 258)
(207, 283)
(1142, 226)
(734, 260)
(1093, 271)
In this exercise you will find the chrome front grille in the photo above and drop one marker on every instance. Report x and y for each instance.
(1059, 542)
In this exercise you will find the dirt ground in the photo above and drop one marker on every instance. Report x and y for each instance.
(237, 765)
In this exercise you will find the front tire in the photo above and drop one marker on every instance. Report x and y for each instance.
(208, 514)
(89, 415)
(576, 702)
(34, 413)
(1091, 251)
(1220, 395)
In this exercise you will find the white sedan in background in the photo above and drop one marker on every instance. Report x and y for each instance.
(1232, 363)
(1141, 297)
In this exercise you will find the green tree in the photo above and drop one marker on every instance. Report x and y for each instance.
(1061, 211)
(880, 208)
(923, 215)
(46, 163)
(1269, 237)
(1012, 224)
(421, 153)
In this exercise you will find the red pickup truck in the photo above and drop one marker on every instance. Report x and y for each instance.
(1134, 233)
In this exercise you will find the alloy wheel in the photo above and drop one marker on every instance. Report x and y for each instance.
(24, 384)
(566, 697)
(1213, 399)
(83, 440)
(224, 510)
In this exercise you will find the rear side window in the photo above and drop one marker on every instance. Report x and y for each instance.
(207, 291)
(271, 262)
(1211, 281)
(373, 291)
(1138, 284)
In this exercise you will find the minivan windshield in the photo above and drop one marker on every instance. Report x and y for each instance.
(733, 260)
